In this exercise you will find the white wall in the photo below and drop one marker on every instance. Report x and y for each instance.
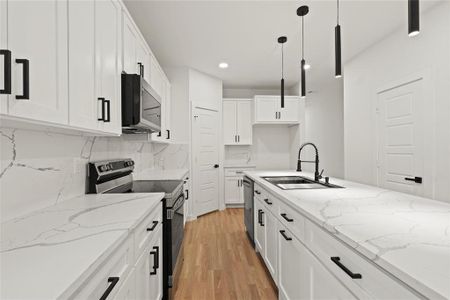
(394, 58)
(40, 168)
(205, 90)
(324, 127)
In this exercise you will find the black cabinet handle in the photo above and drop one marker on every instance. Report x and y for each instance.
(26, 79)
(168, 134)
(6, 72)
(267, 201)
(283, 233)
(257, 192)
(239, 138)
(108, 111)
(141, 69)
(155, 254)
(337, 261)
(259, 216)
(102, 118)
(187, 194)
(287, 218)
(415, 179)
(113, 281)
(262, 220)
(155, 223)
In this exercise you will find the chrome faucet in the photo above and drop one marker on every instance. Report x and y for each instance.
(317, 176)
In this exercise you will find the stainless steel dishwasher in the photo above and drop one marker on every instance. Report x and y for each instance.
(248, 208)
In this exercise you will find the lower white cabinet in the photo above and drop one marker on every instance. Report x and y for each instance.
(148, 271)
(127, 289)
(308, 263)
(234, 185)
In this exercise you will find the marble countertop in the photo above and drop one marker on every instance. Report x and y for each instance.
(406, 235)
(47, 254)
(155, 174)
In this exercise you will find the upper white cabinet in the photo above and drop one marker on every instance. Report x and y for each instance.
(237, 121)
(268, 110)
(94, 73)
(35, 33)
(129, 46)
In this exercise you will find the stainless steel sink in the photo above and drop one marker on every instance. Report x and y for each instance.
(298, 183)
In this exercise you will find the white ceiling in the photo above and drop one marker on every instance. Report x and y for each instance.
(200, 34)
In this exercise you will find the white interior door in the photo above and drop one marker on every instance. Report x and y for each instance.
(205, 142)
(401, 137)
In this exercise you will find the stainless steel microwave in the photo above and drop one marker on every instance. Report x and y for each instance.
(141, 105)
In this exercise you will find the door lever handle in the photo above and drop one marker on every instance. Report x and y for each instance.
(415, 179)
(216, 166)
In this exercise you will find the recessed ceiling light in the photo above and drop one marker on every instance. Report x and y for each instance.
(307, 67)
(223, 65)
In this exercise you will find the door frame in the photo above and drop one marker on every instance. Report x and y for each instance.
(192, 214)
(425, 76)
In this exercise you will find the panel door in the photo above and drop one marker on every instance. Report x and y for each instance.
(229, 122)
(401, 138)
(37, 32)
(260, 232)
(107, 62)
(266, 109)
(244, 122)
(3, 58)
(271, 254)
(127, 289)
(290, 111)
(83, 102)
(293, 281)
(130, 39)
(232, 190)
(206, 158)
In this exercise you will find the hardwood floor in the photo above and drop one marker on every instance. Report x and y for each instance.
(219, 261)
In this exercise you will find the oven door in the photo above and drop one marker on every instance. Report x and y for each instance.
(177, 230)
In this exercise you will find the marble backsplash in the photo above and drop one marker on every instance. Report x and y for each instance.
(38, 169)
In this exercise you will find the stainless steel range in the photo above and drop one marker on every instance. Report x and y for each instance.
(116, 176)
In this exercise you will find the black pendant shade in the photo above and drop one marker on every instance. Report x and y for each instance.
(413, 17)
(301, 12)
(282, 40)
(337, 46)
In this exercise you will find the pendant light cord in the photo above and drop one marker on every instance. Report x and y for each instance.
(282, 60)
(337, 8)
(303, 37)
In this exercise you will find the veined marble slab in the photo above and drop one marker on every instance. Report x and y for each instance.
(47, 254)
(155, 174)
(406, 235)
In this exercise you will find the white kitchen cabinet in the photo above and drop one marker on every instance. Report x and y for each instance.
(148, 270)
(233, 190)
(156, 76)
(237, 121)
(260, 230)
(130, 42)
(4, 57)
(271, 251)
(143, 58)
(164, 136)
(94, 35)
(127, 290)
(268, 110)
(37, 38)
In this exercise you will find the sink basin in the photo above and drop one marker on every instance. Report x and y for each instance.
(298, 183)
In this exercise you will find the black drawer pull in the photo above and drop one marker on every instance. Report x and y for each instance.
(262, 220)
(337, 261)
(155, 254)
(415, 179)
(108, 111)
(26, 79)
(168, 134)
(6, 72)
(283, 233)
(102, 100)
(257, 192)
(287, 218)
(155, 223)
(267, 201)
(113, 281)
(187, 194)
(259, 216)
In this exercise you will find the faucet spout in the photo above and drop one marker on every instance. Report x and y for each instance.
(316, 161)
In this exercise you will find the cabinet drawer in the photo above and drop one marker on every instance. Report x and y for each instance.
(147, 229)
(271, 203)
(373, 284)
(117, 266)
(294, 221)
(259, 192)
(236, 171)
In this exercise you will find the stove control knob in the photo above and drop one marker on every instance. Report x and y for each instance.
(103, 168)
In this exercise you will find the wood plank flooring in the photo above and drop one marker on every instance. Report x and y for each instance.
(219, 261)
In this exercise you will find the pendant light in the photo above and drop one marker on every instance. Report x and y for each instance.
(413, 18)
(301, 12)
(282, 40)
(337, 46)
